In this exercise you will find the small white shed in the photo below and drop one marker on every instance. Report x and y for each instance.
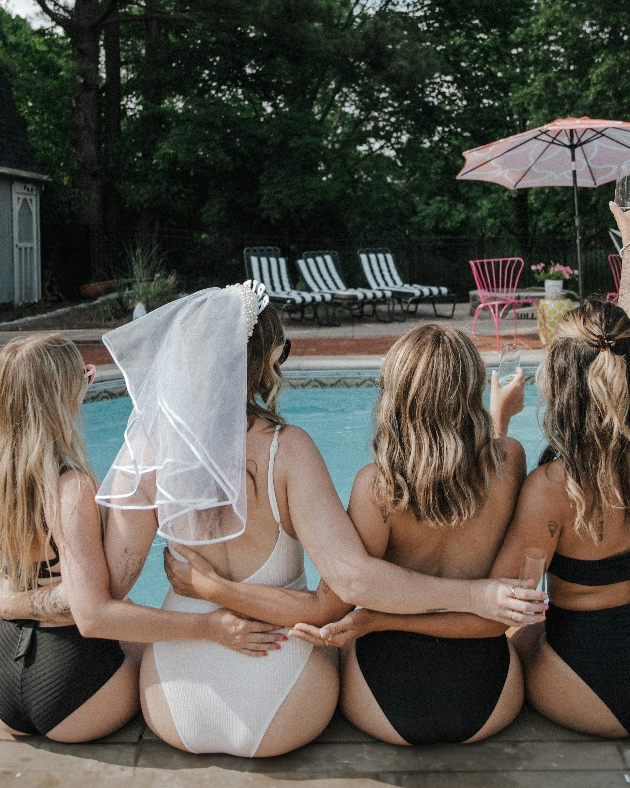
(20, 183)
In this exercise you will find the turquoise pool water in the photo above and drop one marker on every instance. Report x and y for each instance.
(340, 421)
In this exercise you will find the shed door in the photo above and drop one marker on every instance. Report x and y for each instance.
(26, 257)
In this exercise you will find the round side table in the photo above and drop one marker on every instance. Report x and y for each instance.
(550, 313)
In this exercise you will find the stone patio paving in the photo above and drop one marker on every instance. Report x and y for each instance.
(530, 753)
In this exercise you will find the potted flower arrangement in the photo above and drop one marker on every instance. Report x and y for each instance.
(554, 276)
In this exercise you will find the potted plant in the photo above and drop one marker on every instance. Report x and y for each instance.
(554, 276)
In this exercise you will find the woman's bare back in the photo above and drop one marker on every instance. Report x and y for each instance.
(469, 549)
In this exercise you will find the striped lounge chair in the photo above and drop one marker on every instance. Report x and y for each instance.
(266, 264)
(320, 271)
(380, 270)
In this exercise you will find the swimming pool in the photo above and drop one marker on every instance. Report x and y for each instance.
(340, 421)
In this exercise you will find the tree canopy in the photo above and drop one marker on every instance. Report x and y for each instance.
(324, 118)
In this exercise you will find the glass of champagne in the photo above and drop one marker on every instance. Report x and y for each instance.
(533, 565)
(510, 360)
(622, 187)
(533, 568)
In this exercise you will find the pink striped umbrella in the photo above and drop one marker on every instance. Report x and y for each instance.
(568, 152)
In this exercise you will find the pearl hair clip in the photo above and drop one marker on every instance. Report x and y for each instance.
(255, 298)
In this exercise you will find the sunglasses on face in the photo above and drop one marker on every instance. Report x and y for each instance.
(90, 373)
(286, 349)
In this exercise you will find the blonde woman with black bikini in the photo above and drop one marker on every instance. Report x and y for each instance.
(575, 507)
(71, 682)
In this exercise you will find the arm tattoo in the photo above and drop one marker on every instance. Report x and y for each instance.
(48, 604)
(436, 610)
(131, 569)
(552, 525)
(325, 587)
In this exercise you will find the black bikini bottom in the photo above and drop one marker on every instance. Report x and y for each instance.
(595, 644)
(46, 673)
(434, 689)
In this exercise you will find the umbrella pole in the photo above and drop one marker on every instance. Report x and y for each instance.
(577, 220)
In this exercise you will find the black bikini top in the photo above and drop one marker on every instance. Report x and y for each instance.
(45, 568)
(603, 572)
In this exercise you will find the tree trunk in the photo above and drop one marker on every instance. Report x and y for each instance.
(148, 221)
(111, 123)
(84, 34)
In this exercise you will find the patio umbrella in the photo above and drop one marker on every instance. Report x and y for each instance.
(568, 152)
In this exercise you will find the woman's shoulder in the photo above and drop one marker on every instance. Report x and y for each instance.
(76, 484)
(365, 478)
(513, 453)
(295, 439)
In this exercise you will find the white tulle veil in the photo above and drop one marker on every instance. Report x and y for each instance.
(185, 366)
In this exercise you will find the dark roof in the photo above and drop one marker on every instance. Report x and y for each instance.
(15, 149)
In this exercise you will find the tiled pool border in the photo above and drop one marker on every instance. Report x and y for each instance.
(114, 387)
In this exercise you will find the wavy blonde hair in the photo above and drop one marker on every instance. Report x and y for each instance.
(42, 386)
(433, 446)
(586, 383)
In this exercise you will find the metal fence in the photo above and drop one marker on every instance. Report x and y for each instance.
(201, 259)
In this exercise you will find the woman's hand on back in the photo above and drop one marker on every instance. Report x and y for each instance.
(193, 577)
(252, 638)
(356, 624)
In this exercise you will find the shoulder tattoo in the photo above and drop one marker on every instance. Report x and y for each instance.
(552, 525)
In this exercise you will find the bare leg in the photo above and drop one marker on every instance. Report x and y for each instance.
(5, 729)
(157, 712)
(559, 693)
(509, 703)
(308, 707)
(107, 710)
(359, 705)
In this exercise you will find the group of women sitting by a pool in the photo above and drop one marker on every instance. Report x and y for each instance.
(243, 656)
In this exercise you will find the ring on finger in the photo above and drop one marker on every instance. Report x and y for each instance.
(513, 592)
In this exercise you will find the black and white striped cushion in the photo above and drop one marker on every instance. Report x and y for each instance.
(321, 275)
(271, 270)
(380, 271)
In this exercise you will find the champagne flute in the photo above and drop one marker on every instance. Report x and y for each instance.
(533, 568)
(622, 187)
(509, 361)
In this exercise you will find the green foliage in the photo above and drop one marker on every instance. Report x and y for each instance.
(333, 117)
(38, 66)
(147, 282)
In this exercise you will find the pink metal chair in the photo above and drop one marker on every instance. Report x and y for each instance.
(614, 261)
(497, 280)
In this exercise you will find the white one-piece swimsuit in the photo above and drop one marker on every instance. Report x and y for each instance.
(221, 700)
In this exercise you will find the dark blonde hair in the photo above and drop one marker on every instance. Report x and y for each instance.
(433, 446)
(586, 383)
(42, 386)
(264, 378)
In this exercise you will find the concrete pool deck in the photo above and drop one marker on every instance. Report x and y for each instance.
(530, 753)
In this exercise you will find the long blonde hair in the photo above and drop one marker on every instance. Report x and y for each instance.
(433, 446)
(586, 383)
(41, 389)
